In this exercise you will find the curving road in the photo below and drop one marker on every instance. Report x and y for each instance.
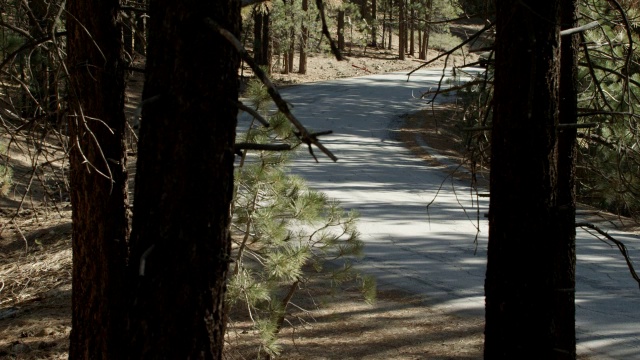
(432, 253)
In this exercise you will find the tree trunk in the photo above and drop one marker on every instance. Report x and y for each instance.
(402, 28)
(565, 251)
(384, 27)
(390, 29)
(98, 178)
(180, 239)
(341, 30)
(302, 65)
(412, 30)
(374, 23)
(258, 17)
(520, 285)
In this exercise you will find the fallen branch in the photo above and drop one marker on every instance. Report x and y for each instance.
(304, 134)
(362, 68)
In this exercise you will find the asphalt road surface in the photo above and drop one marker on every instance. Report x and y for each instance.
(437, 252)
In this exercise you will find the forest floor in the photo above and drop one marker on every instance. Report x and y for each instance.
(35, 260)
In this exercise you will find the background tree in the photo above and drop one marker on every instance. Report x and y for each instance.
(180, 237)
(98, 177)
(521, 286)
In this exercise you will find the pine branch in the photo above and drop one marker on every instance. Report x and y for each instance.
(304, 136)
(253, 113)
(619, 244)
(269, 147)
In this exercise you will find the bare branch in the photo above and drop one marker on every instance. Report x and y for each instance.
(325, 30)
(304, 136)
(619, 244)
(578, 29)
(253, 113)
(267, 147)
(470, 39)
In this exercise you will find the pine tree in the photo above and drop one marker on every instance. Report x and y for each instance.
(284, 231)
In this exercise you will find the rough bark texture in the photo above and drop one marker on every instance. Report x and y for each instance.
(98, 178)
(304, 37)
(565, 250)
(523, 235)
(180, 238)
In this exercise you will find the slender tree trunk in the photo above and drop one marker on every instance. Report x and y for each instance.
(302, 65)
(402, 28)
(266, 42)
(520, 287)
(98, 178)
(390, 29)
(406, 25)
(374, 23)
(565, 251)
(424, 48)
(258, 18)
(180, 238)
(341, 30)
(292, 51)
(384, 28)
(412, 30)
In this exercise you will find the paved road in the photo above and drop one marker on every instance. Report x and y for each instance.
(432, 253)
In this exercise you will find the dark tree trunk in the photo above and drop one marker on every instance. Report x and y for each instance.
(412, 30)
(520, 285)
(374, 23)
(364, 9)
(341, 30)
(98, 178)
(258, 17)
(266, 41)
(406, 25)
(180, 238)
(402, 28)
(565, 251)
(302, 65)
(390, 29)
(424, 46)
(384, 28)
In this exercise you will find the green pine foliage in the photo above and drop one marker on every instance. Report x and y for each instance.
(284, 232)
(609, 162)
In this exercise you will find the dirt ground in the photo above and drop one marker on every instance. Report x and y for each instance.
(35, 262)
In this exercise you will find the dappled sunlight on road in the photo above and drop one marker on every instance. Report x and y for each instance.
(423, 230)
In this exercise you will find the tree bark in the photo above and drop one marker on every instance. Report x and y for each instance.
(520, 285)
(302, 64)
(341, 30)
(98, 178)
(374, 23)
(180, 238)
(412, 29)
(565, 248)
(402, 28)
(258, 17)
